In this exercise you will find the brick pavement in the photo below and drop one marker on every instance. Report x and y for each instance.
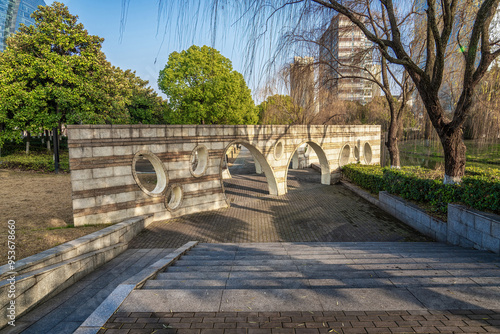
(421, 321)
(309, 212)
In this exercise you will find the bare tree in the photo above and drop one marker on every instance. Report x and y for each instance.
(261, 20)
(365, 64)
(478, 54)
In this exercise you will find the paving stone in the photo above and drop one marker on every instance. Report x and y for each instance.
(301, 215)
(179, 300)
(368, 299)
(269, 300)
(457, 298)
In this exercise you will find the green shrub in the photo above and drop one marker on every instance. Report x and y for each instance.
(480, 188)
(366, 176)
(42, 162)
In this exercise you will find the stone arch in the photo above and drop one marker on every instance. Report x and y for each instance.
(295, 160)
(326, 175)
(261, 159)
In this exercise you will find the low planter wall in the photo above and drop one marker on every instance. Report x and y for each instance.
(45, 274)
(413, 216)
(474, 229)
(465, 227)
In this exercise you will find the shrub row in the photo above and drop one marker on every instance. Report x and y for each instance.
(41, 162)
(480, 188)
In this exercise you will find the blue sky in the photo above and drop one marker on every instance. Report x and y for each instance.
(141, 44)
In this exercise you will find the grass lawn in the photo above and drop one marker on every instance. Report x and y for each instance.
(41, 206)
(487, 153)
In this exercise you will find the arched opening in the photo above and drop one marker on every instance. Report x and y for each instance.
(302, 157)
(245, 173)
(173, 197)
(368, 153)
(149, 173)
(199, 161)
(345, 155)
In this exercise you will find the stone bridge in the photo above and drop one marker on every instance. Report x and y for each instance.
(107, 161)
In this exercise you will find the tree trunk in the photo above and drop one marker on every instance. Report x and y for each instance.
(28, 138)
(59, 136)
(392, 142)
(454, 156)
(427, 129)
(56, 149)
(47, 139)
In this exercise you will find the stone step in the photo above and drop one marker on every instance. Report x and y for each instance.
(293, 282)
(270, 300)
(314, 283)
(287, 283)
(425, 249)
(200, 268)
(285, 262)
(229, 275)
(266, 273)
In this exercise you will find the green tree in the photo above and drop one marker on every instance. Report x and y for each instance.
(144, 105)
(48, 72)
(126, 98)
(54, 73)
(278, 109)
(203, 88)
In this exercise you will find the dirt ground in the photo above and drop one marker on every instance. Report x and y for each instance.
(40, 204)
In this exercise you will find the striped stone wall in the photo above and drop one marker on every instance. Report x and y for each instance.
(106, 187)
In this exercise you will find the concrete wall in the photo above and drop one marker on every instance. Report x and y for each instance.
(106, 186)
(45, 274)
(464, 227)
(473, 229)
(413, 216)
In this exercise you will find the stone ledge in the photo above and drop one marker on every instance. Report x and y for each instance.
(45, 274)
(480, 230)
(35, 287)
(360, 192)
(464, 227)
(118, 233)
(413, 216)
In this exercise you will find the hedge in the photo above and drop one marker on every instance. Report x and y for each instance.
(34, 161)
(480, 188)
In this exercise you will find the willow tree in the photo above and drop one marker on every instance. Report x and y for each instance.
(260, 20)
(366, 64)
(479, 52)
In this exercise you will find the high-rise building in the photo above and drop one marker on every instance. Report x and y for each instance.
(302, 82)
(13, 13)
(344, 53)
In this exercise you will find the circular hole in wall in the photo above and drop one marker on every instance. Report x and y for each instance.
(356, 153)
(368, 153)
(344, 155)
(149, 173)
(199, 160)
(279, 149)
(173, 197)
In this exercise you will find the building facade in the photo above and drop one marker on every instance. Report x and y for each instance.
(13, 13)
(344, 53)
(302, 89)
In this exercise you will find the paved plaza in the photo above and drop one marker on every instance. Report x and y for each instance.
(309, 212)
(316, 260)
(295, 322)
(344, 287)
